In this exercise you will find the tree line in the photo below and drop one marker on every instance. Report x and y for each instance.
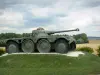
(13, 35)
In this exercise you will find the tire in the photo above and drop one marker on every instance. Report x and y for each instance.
(72, 47)
(43, 46)
(12, 47)
(28, 46)
(61, 46)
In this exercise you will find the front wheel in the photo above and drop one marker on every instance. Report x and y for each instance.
(61, 46)
(12, 47)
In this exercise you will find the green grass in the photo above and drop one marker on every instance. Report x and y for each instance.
(85, 49)
(49, 65)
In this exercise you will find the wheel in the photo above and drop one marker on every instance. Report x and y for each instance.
(43, 46)
(28, 46)
(12, 47)
(61, 46)
(72, 46)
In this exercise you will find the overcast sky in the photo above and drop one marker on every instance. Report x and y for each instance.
(25, 15)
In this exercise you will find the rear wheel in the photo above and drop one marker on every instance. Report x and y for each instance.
(12, 47)
(61, 46)
(72, 46)
(43, 46)
(28, 46)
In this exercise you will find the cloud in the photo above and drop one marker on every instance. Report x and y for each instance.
(5, 29)
(9, 3)
(9, 18)
(91, 3)
(40, 12)
(85, 20)
(51, 14)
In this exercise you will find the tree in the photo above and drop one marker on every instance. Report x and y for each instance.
(81, 37)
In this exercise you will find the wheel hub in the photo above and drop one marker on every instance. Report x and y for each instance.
(27, 46)
(12, 47)
(61, 46)
(43, 46)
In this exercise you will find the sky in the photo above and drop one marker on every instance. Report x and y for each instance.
(23, 16)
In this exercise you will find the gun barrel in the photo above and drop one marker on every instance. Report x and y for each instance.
(52, 32)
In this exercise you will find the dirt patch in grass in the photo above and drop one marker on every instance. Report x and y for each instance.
(92, 43)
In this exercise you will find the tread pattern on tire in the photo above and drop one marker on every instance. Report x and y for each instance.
(11, 50)
(28, 46)
(61, 46)
(43, 46)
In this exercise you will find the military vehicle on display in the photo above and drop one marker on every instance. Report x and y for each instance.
(42, 41)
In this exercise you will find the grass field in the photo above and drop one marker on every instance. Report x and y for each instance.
(49, 65)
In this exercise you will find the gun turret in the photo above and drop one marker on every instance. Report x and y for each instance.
(53, 32)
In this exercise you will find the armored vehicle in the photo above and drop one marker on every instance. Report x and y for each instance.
(42, 41)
